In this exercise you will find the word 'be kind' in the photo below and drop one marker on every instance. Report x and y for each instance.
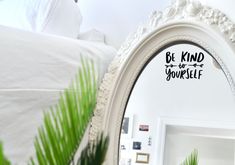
(186, 67)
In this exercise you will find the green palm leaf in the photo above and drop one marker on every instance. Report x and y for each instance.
(3, 159)
(192, 159)
(64, 125)
(94, 153)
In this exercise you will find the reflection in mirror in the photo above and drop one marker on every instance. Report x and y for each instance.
(181, 101)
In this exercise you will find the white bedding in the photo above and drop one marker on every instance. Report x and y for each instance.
(34, 68)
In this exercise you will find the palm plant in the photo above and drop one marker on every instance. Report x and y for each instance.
(65, 123)
(3, 159)
(192, 159)
(94, 153)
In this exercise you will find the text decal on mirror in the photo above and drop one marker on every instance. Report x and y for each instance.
(186, 66)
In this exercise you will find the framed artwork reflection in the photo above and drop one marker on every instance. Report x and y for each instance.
(126, 129)
(142, 158)
(136, 146)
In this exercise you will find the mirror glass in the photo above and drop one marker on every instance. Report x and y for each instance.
(180, 102)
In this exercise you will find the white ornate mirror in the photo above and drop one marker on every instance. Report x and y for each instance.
(171, 90)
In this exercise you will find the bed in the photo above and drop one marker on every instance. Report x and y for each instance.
(34, 68)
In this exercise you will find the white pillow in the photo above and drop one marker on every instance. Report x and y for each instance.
(64, 19)
(38, 11)
(60, 17)
(92, 35)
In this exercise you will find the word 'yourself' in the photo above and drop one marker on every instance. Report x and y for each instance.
(189, 66)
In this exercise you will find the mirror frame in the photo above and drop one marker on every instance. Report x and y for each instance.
(182, 21)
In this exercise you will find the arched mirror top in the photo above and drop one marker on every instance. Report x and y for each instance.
(185, 22)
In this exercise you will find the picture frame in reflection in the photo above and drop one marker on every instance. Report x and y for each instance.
(136, 145)
(126, 129)
(142, 158)
(144, 128)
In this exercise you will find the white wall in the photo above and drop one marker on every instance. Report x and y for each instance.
(117, 18)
